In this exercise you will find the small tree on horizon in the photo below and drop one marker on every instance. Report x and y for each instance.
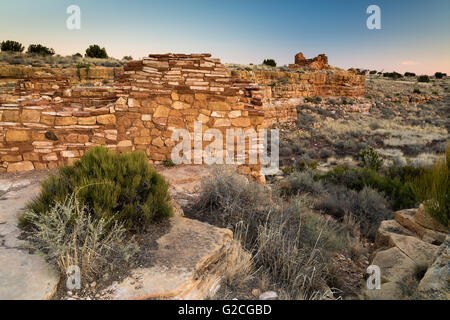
(94, 51)
(40, 49)
(270, 62)
(10, 45)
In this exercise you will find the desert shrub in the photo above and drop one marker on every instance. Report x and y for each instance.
(423, 78)
(399, 191)
(374, 125)
(289, 243)
(325, 153)
(128, 58)
(169, 163)
(40, 50)
(10, 45)
(117, 187)
(77, 55)
(433, 188)
(110, 64)
(296, 247)
(94, 51)
(68, 235)
(270, 62)
(368, 206)
(410, 74)
(301, 182)
(373, 72)
(393, 75)
(226, 196)
(440, 75)
(370, 159)
(417, 91)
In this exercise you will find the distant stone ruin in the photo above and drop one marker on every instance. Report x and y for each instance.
(50, 120)
(318, 63)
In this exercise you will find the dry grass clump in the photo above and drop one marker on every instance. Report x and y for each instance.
(69, 235)
(291, 245)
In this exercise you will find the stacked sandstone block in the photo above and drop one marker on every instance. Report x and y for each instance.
(51, 123)
(287, 88)
(172, 91)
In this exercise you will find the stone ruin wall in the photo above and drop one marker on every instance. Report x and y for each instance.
(286, 89)
(49, 121)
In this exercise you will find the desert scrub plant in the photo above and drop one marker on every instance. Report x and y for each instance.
(423, 78)
(296, 247)
(68, 234)
(440, 75)
(368, 206)
(94, 51)
(169, 163)
(290, 244)
(40, 50)
(370, 159)
(301, 182)
(270, 62)
(433, 188)
(117, 187)
(10, 45)
(226, 196)
(398, 189)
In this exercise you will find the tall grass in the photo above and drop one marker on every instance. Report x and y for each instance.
(433, 188)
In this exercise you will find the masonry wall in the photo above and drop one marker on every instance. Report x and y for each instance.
(286, 90)
(50, 123)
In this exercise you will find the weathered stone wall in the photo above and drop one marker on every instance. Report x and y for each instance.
(287, 88)
(49, 122)
(11, 72)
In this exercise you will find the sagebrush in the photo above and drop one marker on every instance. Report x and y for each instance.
(68, 234)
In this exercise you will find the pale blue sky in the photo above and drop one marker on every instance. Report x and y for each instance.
(414, 35)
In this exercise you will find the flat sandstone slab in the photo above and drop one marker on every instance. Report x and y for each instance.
(23, 276)
(182, 264)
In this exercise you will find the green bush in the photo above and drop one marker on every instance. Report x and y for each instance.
(417, 91)
(270, 62)
(433, 188)
(120, 187)
(370, 159)
(423, 78)
(393, 75)
(410, 74)
(399, 189)
(10, 45)
(127, 58)
(94, 51)
(40, 50)
(440, 75)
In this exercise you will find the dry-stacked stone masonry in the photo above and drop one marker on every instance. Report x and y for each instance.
(50, 121)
